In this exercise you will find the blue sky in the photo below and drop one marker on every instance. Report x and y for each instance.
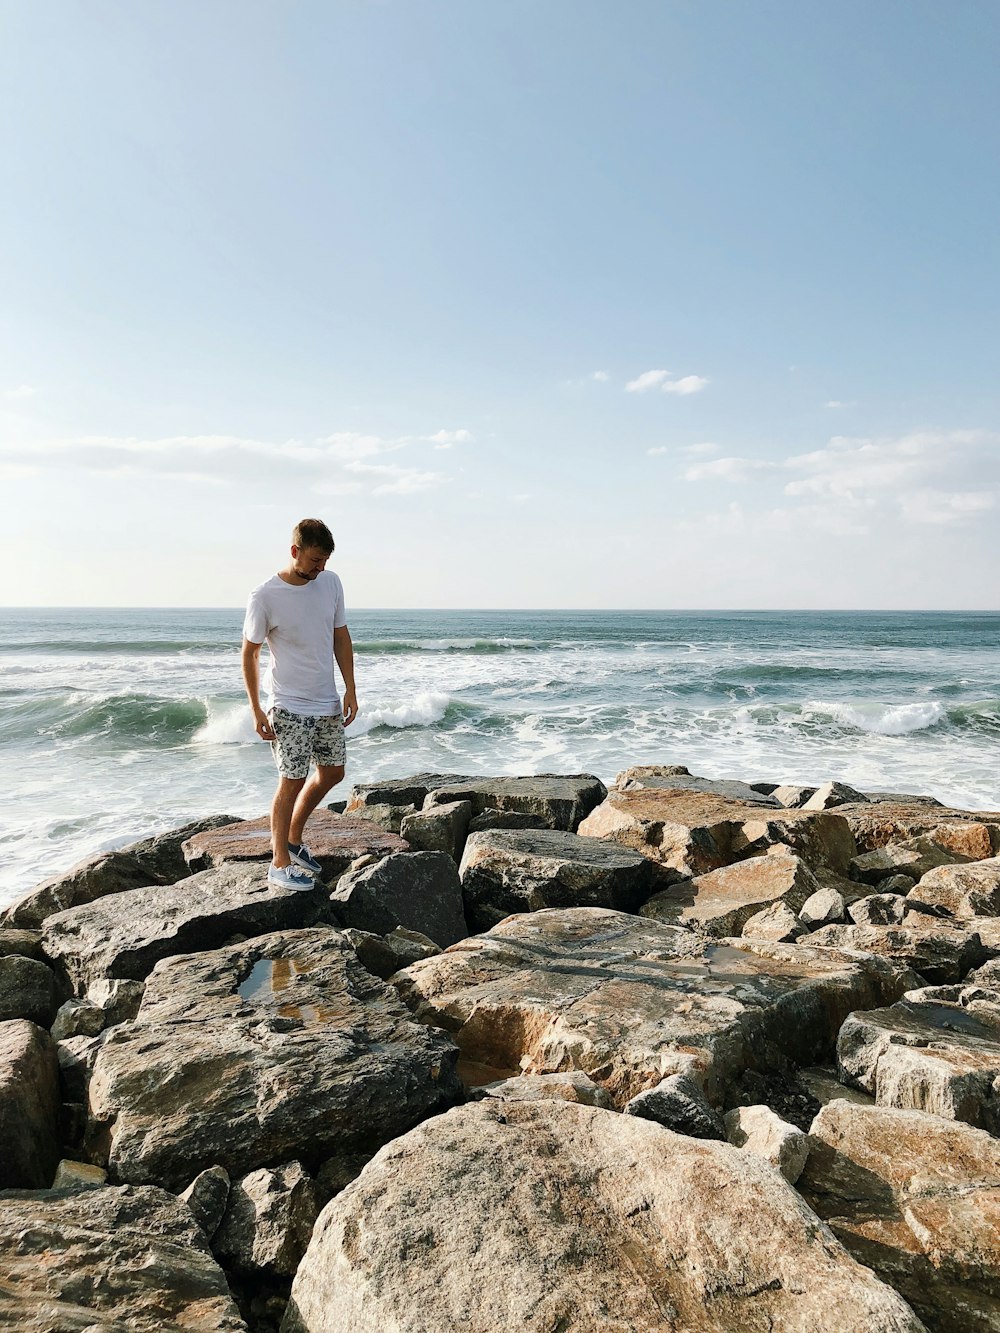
(557, 303)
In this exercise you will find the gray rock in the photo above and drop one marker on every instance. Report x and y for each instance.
(678, 1103)
(29, 1106)
(337, 1172)
(388, 818)
(76, 1057)
(832, 794)
(334, 840)
(823, 1085)
(915, 1199)
(124, 937)
(156, 860)
(792, 796)
(268, 1221)
(878, 909)
(914, 858)
(207, 1196)
(283, 1048)
(109, 1259)
(418, 890)
(383, 955)
(723, 901)
(758, 1130)
(78, 1018)
(508, 871)
(777, 923)
(630, 1001)
(572, 1086)
(735, 791)
(27, 990)
(898, 884)
(561, 800)
(938, 951)
(442, 828)
(118, 999)
(964, 890)
(638, 772)
(509, 819)
(823, 908)
(502, 1218)
(902, 798)
(27, 943)
(72, 1175)
(401, 791)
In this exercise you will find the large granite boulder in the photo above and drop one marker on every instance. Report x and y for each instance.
(125, 936)
(548, 1215)
(27, 990)
(26, 943)
(631, 1001)
(833, 794)
(939, 950)
(510, 870)
(401, 791)
(79, 1261)
(972, 889)
(916, 1199)
(561, 800)
(420, 891)
(915, 857)
(335, 840)
(876, 823)
(441, 828)
(278, 1049)
(936, 1050)
(723, 901)
(693, 833)
(156, 860)
(29, 1106)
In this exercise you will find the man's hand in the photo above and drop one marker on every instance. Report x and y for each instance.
(262, 726)
(350, 707)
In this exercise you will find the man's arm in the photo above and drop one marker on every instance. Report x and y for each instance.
(251, 679)
(343, 651)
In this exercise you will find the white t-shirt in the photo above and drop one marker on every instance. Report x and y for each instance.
(298, 624)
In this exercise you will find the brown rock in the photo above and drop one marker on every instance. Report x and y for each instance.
(757, 1129)
(938, 950)
(965, 890)
(29, 1106)
(915, 857)
(539, 1216)
(723, 901)
(571, 1086)
(335, 840)
(777, 923)
(878, 823)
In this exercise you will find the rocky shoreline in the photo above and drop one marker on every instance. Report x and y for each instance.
(680, 1054)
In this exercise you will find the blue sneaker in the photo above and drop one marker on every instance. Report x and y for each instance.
(301, 856)
(290, 877)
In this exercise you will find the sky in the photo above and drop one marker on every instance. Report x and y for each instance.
(560, 303)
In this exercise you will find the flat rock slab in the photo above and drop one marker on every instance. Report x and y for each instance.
(936, 1055)
(504, 871)
(127, 935)
(693, 833)
(335, 840)
(973, 833)
(916, 1199)
(134, 1259)
(29, 1106)
(721, 902)
(562, 800)
(156, 860)
(968, 890)
(630, 1001)
(283, 1048)
(940, 951)
(737, 791)
(402, 791)
(545, 1216)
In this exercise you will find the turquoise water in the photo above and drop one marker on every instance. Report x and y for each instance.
(115, 723)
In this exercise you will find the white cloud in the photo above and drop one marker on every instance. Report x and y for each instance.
(396, 480)
(601, 376)
(649, 379)
(689, 384)
(444, 439)
(704, 448)
(727, 469)
(21, 391)
(658, 449)
(660, 379)
(945, 507)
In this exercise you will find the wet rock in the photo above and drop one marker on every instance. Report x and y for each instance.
(126, 936)
(509, 871)
(420, 891)
(915, 1199)
(832, 794)
(27, 990)
(516, 819)
(283, 1048)
(29, 1106)
(936, 1055)
(758, 1130)
(561, 800)
(736, 791)
(878, 909)
(335, 840)
(630, 1001)
(268, 1221)
(793, 797)
(723, 901)
(964, 890)
(557, 1194)
(78, 1018)
(72, 1175)
(207, 1196)
(27, 943)
(442, 828)
(118, 999)
(822, 908)
(114, 1259)
(678, 1103)
(693, 833)
(777, 923)
(155, 860)
(939, 951)
(572, 1086)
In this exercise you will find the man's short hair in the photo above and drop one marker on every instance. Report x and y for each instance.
(312, 534)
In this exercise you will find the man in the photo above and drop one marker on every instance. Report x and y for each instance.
(300, 612)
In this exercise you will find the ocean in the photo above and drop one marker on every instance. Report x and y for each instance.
(115, 724)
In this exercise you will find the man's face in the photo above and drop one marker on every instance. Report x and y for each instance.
(309, 561)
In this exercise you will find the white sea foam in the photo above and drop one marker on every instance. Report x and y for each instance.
(423, 710)
(228, 726)
(882, 719)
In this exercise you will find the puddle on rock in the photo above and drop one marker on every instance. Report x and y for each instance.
(269, 977)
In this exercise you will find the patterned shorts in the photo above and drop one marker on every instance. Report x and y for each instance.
(300, 740)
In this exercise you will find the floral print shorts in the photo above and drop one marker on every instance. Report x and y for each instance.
(301, 740)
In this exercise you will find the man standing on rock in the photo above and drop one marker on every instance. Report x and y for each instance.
(300, 613)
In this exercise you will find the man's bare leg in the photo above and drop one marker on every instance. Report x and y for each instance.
(281, 817)
(323, 780)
